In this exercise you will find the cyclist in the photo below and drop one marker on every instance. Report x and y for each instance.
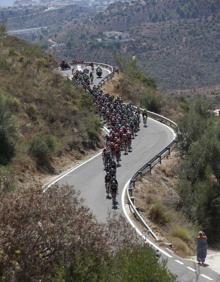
(91, 77)
(129, 140)
(114, 191)
(99, 72)
(117, 153)
(144, 116)
(108, 183)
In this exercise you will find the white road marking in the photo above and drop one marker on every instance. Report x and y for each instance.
(169, 250)
(207, 277)
(136, 229)
(170, 128)
(192, 269)
(47, 186)
(178, 261)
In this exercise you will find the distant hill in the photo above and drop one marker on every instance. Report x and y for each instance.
(177, 42)
(41, 16)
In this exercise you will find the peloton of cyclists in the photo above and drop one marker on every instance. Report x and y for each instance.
(123, 122)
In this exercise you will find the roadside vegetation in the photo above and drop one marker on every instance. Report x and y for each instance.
(200, 172)
(158, 200)
(181, 196)
(42, 115)
(52, 237)
(135, 86)
(193, 202)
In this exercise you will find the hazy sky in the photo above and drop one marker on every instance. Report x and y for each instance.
(6, 2)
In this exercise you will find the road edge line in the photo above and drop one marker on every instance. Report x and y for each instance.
(65, 173)
(147, 241)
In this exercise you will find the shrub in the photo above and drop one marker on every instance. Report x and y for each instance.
(42, 147)
(6, 179)
(182, 233)
(181, 247)
(136, 263)
(66, 243)
(8, 131)
(31, 110)
(54, 224)
(4, 65)
(138, 87)
(151, 102)
(158, 215)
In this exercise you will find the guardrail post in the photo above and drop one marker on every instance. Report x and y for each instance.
(140, 173)
(150, 167)
(160, 159)
(132, 199)
(133, 183)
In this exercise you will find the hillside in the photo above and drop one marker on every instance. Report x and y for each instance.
(41, 16)
(177, 42)
(43, 116)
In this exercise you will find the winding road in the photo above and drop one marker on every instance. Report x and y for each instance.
(88, 178)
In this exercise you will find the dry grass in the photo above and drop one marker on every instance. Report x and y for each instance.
(181, 232)
(155, 194)
(113, 85)
(46, 103)
(181, 248)
(158, 214)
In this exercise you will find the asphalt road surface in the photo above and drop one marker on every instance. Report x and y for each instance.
(88, 179)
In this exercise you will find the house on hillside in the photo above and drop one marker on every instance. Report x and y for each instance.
(117, 35)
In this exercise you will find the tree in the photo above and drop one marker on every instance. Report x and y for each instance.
(136, 263)
(193, 124)
(200, 176)
(51, 236)
(40, 232)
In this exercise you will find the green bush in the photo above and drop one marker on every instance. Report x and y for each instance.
(8, 131)
(151, 102)
(90, 130)
(158, 215)
(182, 233)
(6, 179)
(4, 65)
(181, 247)
(193, 124)
(42, 147)
(136, 263)
(137, 86)
(200, 171)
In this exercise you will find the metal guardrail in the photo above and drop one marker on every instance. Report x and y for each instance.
(147, 168)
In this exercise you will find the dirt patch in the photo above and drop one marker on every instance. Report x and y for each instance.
(113, 85)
